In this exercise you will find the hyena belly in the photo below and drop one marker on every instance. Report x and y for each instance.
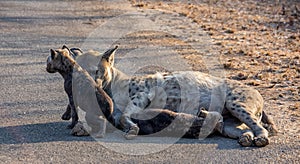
(180, 92)
(184, 92)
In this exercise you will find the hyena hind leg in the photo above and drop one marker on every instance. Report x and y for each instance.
(268, 123)
(249, 114)
(235, 129)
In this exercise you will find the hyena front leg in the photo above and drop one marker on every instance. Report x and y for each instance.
(127, 124)
(137, 104)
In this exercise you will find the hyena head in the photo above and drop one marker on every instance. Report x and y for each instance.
(104, 73)
(56, 62)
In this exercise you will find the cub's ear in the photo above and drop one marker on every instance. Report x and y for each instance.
(65, 47)
(108, 56)
(53, 53)
(76, 51)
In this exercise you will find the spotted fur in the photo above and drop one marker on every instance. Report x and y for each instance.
(187, 92)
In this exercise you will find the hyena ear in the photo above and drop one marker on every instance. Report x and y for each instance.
(53, 53)
(65, 47)
(108, 56)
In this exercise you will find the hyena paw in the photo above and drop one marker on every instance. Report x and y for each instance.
(261, 141)
(246, 140)
(79, 130)
(132, 133)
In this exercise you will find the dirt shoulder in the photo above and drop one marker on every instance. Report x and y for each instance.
(258, 43)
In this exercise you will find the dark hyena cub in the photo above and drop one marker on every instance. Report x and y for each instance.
(58, 63)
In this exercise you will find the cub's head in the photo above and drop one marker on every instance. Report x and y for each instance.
(56, 62)
(104, 72)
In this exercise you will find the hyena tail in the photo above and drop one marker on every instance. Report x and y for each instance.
(268, 123)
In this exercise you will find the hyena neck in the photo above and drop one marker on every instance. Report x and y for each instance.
(118, 82)
(66, 70)
(119, 78)
(66, 74)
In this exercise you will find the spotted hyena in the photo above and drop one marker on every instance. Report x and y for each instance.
(187, 92)
(159, 119)
(56, 62)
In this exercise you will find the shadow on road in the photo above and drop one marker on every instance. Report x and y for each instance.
(36, 133)
(57, 131)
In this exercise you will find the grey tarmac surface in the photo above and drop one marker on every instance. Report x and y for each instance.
(32, 100)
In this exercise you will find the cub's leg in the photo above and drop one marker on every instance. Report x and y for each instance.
(163, 122)
(212, 121)
(247, 105)
(71, 110)
(97, 127)
(67, 114)
(97, 124)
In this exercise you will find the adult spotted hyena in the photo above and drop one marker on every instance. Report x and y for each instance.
(187, 92)
(56, 62)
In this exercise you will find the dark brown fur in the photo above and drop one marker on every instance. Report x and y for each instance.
(58, 63)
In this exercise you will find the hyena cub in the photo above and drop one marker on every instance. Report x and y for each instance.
(56, 62)
(187, 92)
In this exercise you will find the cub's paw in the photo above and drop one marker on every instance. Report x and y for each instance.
(261, 141)
(72, 125)
(79, 130)
(67, 114)
(212, 121)
(202, 113)
(220, 125)
(132, 133)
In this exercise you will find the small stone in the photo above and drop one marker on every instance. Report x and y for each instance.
(241, 76)
(229, 31)
(228, 65)
(254, 83)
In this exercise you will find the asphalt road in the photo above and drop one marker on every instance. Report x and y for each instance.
(32, 100)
